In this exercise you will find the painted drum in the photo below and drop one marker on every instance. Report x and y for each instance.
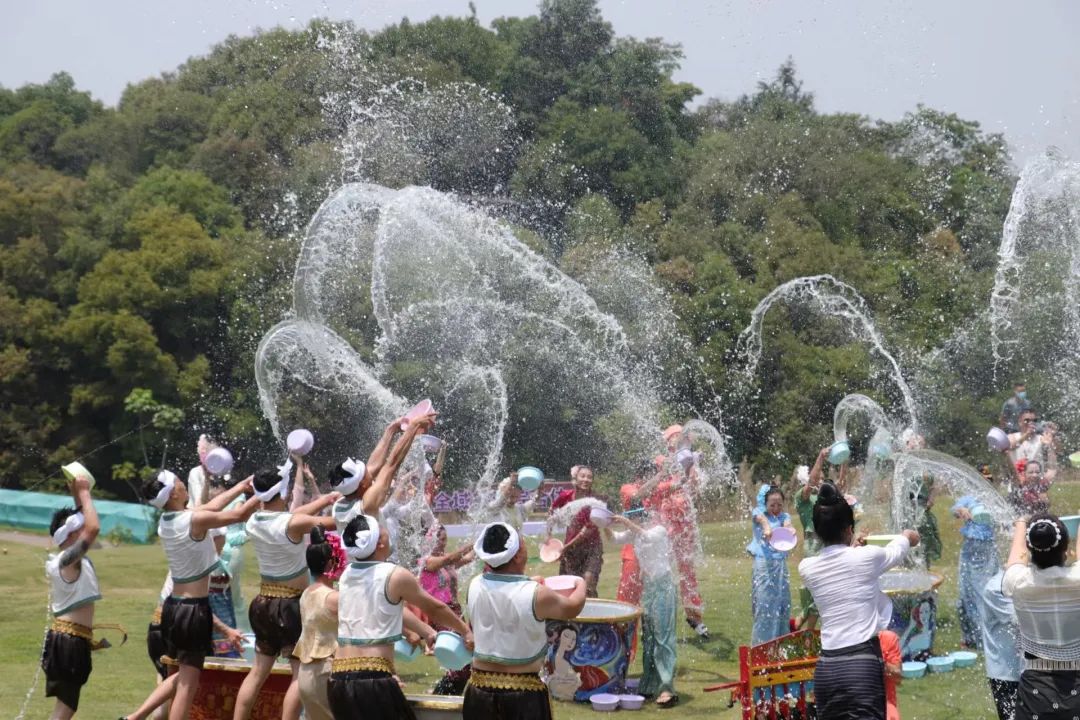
(590, 654)
(914, 610)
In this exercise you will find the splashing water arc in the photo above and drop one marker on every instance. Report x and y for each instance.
(1038, 280)
(459, 310)
(832, 298)
(1045, 179)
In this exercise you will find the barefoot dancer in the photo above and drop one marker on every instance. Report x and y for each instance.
(66, 655)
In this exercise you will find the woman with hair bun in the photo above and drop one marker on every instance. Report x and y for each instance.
(326, 561)
(849, 680)
(1046, 596)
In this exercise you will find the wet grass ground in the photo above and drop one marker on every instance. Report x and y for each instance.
(131, 577)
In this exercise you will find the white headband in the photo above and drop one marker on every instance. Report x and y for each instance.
(281, 487)
(168, 482)
(365, 540)
(513, 543)
(350, 484)
(72, 524)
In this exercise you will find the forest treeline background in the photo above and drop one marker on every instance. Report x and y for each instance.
(145, 249)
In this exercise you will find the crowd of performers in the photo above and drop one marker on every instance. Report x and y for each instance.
(333, 602)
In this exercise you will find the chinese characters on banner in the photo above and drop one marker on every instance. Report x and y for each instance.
(462, 500)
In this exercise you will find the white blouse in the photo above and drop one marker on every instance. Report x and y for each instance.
(1047, 604)
(844, 583)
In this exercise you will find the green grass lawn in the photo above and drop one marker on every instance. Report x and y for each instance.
(131, 577)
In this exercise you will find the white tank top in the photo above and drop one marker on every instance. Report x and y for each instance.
(67, 596)
(365, 614)
(504, 623)
(189, 559)
(280, 557)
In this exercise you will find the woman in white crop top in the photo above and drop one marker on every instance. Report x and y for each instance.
(280, 541)
(186, 618)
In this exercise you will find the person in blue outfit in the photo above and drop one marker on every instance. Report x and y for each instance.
(770, 593)
(978, 563)
(1000, 636)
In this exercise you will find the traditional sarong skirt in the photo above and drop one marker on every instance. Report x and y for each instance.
(187, 626)
(1049, 694)
(849, 683)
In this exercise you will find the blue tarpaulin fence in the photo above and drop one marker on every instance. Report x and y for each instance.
(33, 511)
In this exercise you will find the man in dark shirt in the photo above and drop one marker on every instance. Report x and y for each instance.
(1010, 411)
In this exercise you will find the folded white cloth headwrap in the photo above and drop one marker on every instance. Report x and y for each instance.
(72, 524)
(513, 544)
(356, 470)
(365, 540)
(168, 481)
(281, 487)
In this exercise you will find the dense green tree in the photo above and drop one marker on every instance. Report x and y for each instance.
(145, 249)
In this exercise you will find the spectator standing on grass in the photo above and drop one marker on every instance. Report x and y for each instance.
(1034, 442)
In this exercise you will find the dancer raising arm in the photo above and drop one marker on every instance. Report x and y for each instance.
(356, 481)
(274, 614)
(1046, 596)
(186, 619)
(66, 655)
(848, 681)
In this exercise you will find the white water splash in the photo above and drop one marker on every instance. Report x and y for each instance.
(835, 299)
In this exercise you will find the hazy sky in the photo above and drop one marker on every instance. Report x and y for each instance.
(1013, 66)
